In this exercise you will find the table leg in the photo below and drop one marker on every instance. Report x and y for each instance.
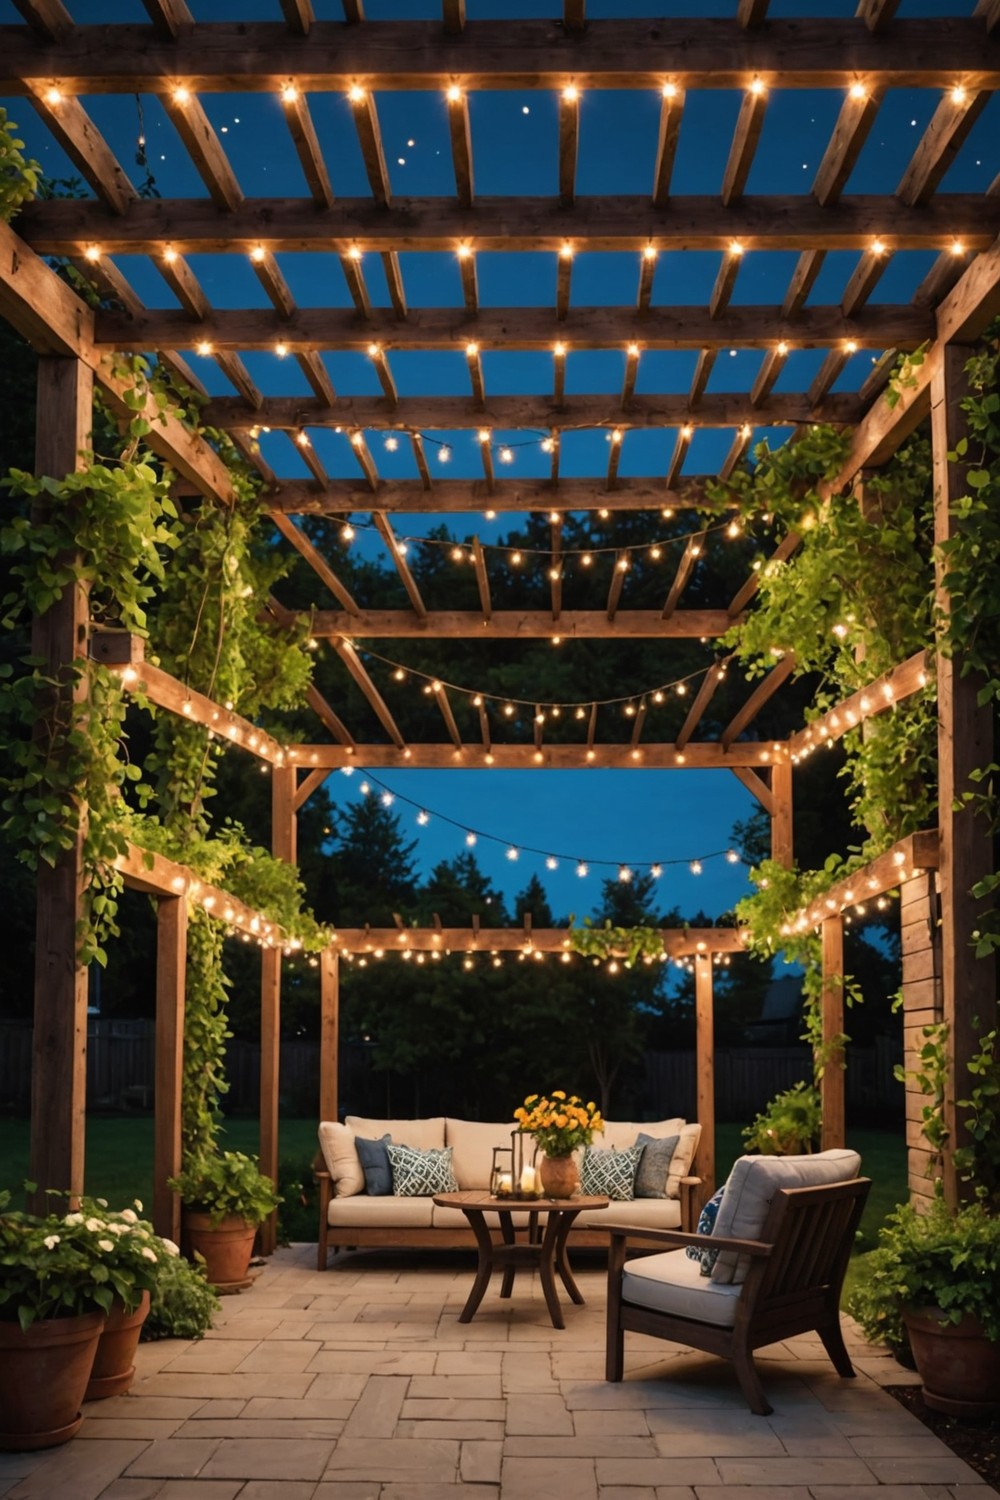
(546, 1267)
(484, 1244)
(509, 1238)
(562, 1258)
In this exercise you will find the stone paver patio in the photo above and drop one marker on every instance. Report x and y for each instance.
(360, 1384)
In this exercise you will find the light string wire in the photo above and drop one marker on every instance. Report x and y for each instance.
(462, 551)
(553, 858)
(678, 685)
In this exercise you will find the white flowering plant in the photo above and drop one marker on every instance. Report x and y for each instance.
(57, 1265)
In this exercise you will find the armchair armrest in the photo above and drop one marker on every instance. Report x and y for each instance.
(678, 1238)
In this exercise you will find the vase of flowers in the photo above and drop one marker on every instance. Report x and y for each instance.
(560, 1124)
(60, 1275)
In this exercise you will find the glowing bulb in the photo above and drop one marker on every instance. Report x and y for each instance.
(696, 867)
(391, 444)
(257, 254)
(374, 350)
(92, 253)
(548, 445)
(170, 255)
(669, 91)
(516, 558)
(444, 454)
(454, 94)
(633, 351)
(570, 94)
(582, 870)
(958, 94)
(687, 431)
(858, 91)
(353, 253)
(289, 94)
(735, 248)
(182, 96)
(471, 350)
(457, 555)
(782, 348)
(470, 839)
(203, 347)
(566, 251)
(586, 559)
(423, 818)
(483, 434)
(302, 438)
(347, 533)
(54, 95)
(513, 853)
(758, 87)
(356, 94)
(878, 247)
(650, 252)
(850, 347)
(464, 251)
(616, 436)
(281, 350)
(957, 248)
(506, 455)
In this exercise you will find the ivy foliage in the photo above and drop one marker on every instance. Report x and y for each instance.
(19, 175)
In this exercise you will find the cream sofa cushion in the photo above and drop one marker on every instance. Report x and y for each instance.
(364, 1212)
(642, 1213)
(427, 1135)
(672, 1283)
(752, 1184)
(620, 1134)
(336, 1142)
(472, 1143)
(680, 1162)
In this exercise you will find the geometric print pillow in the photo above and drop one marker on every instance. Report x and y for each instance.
(706, 1224)
(610, 1174)
(421, 1174)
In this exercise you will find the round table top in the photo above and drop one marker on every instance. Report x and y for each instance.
(480, 1198)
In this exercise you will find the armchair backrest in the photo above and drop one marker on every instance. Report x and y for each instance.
(812, 1230)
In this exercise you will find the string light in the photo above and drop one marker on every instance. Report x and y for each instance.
(553, 858)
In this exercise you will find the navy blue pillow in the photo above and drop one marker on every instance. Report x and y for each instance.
(374, 1158)
(706, 1225)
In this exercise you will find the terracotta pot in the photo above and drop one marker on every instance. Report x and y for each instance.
(227, 1248)
(114, 1363)
(959, 1366)
(43, 1374)
(560, 1176)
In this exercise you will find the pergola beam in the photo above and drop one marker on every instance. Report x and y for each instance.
(523, 328)
(514, 625)
(298, 497)
(444, 413)
(64, 226)
(677, 942)
(879, 695)
(707, 756)
(515, 54)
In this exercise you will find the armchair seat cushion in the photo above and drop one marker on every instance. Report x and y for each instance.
(671, 1283)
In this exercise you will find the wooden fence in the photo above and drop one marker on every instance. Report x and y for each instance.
(120, 1075)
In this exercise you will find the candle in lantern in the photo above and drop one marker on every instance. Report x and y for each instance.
(505, 1185)
(528, 1180)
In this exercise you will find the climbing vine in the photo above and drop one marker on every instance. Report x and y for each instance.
(19, 175)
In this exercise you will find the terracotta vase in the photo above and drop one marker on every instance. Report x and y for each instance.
(958, 1365)
(114, 1363)
(227, 1248)
(43, 1375)
(560, 1176)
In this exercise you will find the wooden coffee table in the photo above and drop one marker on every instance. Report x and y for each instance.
(547, 1250)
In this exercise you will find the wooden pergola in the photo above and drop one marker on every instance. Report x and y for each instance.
(57, 67)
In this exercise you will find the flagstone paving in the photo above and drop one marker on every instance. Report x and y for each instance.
(360, 1384)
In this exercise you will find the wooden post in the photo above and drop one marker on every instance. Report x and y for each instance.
(59, 637)
(782, 846)
(705, 1071)
(832, 1082)
(965, 742)
(171, 972)
(920, 944)
(329, 1033)
(283, 846)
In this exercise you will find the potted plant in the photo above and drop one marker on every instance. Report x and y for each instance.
(59, 1277)
(560, 1125)
(790, 1124)
(934, 1278)
(226, 1196)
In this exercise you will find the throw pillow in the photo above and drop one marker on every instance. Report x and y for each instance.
(340, 1155)
(610, 1174)
(421, 1174)
(654, 1164)
(374, 1158)
(706, 1225)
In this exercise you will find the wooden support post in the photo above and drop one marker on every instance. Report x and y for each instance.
(59, 1046)
(171, 971)
(283, 825)
(705, 1072)
(920, 947)
(832, 1081)
(329, 1033)
(965, 743)
(782, 842)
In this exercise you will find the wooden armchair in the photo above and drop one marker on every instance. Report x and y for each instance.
(796, 1271)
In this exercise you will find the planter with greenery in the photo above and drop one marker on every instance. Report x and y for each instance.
(226, 1197)
(60, 1277)
(934, 1278)
(790, 1124)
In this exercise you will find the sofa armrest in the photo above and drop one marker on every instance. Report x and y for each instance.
(690, 1206)
(678, 1238)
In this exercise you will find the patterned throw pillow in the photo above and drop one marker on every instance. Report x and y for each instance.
(421, 1174)
(654, 1164)
(374, 1158)
(610, 1174)
(706, 1223)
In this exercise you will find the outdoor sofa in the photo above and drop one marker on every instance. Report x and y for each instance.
(350, 1216)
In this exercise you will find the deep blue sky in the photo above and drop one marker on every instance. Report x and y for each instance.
(630, 816)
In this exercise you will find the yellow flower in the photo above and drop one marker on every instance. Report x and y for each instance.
(558, 1094)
